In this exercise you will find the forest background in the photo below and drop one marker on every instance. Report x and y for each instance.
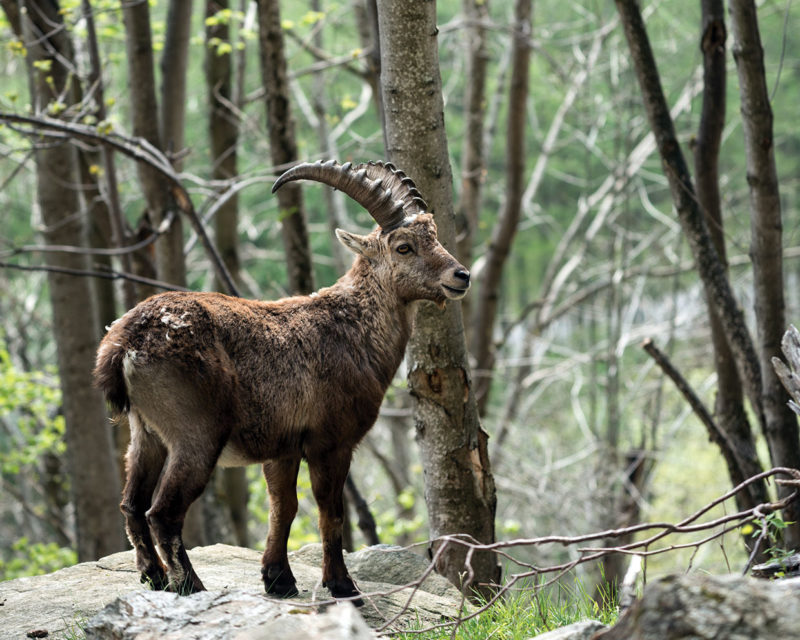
(574, 218)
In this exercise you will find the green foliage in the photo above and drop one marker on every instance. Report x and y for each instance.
(771, 527)
(526, 612)
(76, 629)
(26, 558)
(32, 428)
(29, 402)
(304, 527)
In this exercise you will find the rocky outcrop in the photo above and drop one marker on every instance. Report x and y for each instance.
(710, 607)
(105, 599)
(66, 600)
(216, 615)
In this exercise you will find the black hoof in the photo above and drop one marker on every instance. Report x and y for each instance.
(344, 589)
(279, 583)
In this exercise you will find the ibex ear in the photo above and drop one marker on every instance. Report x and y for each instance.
(356, 243)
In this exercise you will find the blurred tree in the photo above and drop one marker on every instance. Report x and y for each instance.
(144, 113)
(92, 468)
(283, 147)
(734, 435)
(707, 260)
(223, 133)
(504, 229)
(766, 246)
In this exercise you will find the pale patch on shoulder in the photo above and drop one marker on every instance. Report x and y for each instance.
(120, 319)
(176, 322)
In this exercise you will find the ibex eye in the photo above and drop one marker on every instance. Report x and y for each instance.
(404, 249)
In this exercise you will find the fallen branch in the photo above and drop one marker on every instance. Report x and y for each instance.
(714, 529)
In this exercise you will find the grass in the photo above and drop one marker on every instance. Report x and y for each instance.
(76, 629)
(522, 614)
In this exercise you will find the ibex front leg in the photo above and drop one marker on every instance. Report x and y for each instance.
(281, 476)
(328, 474)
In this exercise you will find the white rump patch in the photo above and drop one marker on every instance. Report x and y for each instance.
(128, 363)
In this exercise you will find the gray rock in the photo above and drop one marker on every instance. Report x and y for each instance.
(67, 599)
(396, 565)
(156, 615)
(712, 607)
(583, 630)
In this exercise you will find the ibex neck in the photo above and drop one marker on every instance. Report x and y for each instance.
(384, 317)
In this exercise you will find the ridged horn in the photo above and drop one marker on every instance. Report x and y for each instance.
(387, 193)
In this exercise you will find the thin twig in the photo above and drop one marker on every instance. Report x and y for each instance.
(87, 273)
(141, 151)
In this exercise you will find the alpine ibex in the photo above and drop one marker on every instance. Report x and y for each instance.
(206, 379)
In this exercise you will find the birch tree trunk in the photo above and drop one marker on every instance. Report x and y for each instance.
(459, 487)
(766, 248)
(282, 146)
(92, 468)
(506, 226)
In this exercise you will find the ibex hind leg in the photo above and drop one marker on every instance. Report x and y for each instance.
(281, 477)
(186, 474)
(144, 461)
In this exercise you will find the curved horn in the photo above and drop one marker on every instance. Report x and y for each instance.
(387, 193)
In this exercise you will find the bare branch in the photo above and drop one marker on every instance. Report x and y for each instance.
(141, 151)
(87, 273)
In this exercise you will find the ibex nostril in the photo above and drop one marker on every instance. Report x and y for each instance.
(462, 274)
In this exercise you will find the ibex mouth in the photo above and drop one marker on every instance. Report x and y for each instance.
(455, 293)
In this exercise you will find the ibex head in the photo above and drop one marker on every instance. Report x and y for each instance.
(404, 249)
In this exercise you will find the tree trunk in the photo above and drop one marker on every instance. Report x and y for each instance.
(731, 418)
(766, 249)
(170, 265)
(109, 174)
(93, 472)
(223, 129)
(506, 227)
(709, 267)
(459, 487)
(174, 60)
(473, 163)
(282, 146)
(367, 23)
